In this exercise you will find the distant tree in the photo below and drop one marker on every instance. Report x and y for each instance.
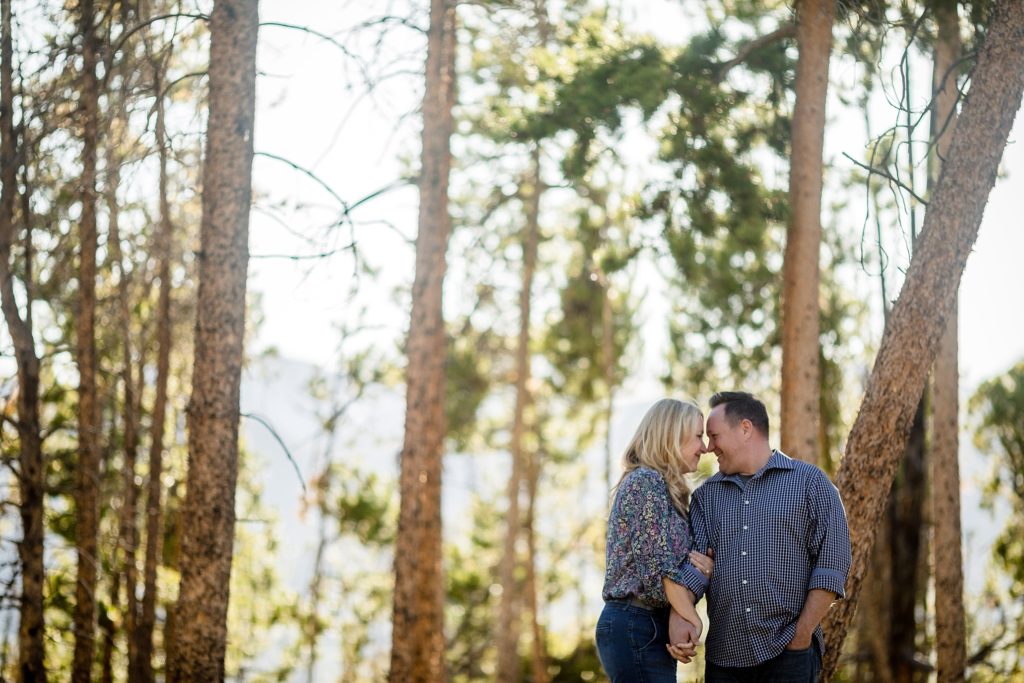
(87, 470)
(800, 319)
(197, 649)
(417, 646)
(915, 327)
(950, 630)
(31, 475)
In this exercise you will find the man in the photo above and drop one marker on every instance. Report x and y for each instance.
(781, 547)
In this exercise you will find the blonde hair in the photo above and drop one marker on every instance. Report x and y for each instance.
(657, 444)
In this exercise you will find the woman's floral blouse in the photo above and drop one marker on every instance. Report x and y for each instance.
(647, 539)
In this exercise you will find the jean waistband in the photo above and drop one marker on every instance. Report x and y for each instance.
(633, 601)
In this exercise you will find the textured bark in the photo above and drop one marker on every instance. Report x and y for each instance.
(31, 645)
(801, 383)
(197, 651)
(950, 636)
(142, 671)
(918, 320)
(417, 644)
(87, 470)
(511, 597)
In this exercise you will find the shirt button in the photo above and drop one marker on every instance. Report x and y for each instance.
(746, 502)
(745, 527)
(744, 552)
(748, 609)
(744, 582)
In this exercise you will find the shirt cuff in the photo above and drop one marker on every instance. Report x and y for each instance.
(693, 579)
(828, 579)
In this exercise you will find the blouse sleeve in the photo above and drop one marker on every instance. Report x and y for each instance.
(660, 539)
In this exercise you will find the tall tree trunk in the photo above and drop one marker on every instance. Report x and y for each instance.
(142, 672)
(31, 482)
(801, 384)
(197, 651)
(87, 470)
(511, 597)
(950, 636)
(417, 644)
(918, 320)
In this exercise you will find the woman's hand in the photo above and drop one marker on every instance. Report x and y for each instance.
(705, 564)
(683, 637)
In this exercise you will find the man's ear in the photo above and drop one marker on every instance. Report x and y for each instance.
(748, 429)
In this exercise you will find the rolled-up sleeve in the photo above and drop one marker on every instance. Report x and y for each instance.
(829, 540)
(692, 578)
(656, 552)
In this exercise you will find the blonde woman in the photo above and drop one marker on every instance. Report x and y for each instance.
(649, 543)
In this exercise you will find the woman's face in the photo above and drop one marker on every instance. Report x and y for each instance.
(694, 447)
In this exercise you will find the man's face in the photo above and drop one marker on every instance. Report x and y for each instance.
(724, 440)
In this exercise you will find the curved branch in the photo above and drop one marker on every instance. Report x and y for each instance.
(281, 443)
(781, 33)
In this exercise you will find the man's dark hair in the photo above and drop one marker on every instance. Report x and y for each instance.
(739, 405)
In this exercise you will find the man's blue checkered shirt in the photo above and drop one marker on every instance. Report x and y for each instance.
(776, 536)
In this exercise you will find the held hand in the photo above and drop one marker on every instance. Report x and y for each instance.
(683, 638)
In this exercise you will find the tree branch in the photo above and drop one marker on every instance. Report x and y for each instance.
(783, 32)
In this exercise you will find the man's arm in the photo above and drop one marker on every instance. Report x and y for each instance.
(815, 606)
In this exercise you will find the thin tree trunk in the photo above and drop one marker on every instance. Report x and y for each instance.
(197, 651)
(874, 615)
(919, 318)
(539, 659)
(950, 636)
(511, 597)
(142, 672)
(906, 520)
(417, 644)
(87, 470)
(801, 383)
(31, 482)
(128, 528)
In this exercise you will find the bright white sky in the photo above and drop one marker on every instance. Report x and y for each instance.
(302, 110)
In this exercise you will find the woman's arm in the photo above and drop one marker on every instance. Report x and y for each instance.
(682, 601)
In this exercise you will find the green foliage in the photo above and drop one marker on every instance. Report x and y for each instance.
(998, 405)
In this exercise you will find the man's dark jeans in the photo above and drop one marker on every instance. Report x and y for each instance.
(631, 643)
(792, 666)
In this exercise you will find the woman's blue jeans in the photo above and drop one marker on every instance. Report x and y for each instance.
(631, 642)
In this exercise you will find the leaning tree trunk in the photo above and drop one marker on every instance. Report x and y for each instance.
(950, 636)
(801, 409)
(510, 608)
(417, 644)
(197, 651)
(31, 482)
(918, 320)
(87, 470)
(142, 672)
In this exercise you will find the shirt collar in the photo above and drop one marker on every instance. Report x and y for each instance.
(777, 461)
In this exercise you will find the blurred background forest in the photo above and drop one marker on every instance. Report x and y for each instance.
(624, 199)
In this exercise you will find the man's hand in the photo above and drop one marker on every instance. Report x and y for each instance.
(683, 638)
(801, 640)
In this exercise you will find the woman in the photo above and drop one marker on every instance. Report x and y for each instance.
(648, 544)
